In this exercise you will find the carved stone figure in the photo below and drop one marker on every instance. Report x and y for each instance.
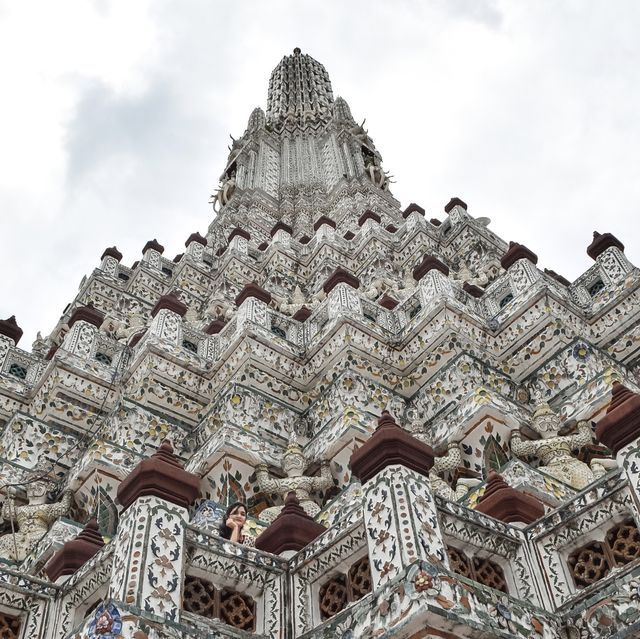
(554, 451)
(466, 274)
(298, 300)
(136, 324)
(225, 192)
(293, 463)
(33, 519)
(375, 172)
(449, 462)
(40, 346)
(219, 306)
(380, 285)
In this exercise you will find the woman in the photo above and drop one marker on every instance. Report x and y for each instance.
(232, 523)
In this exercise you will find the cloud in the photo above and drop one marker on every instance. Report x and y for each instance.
(116, 117)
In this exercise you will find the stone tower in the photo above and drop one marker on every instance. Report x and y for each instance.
(430, 435)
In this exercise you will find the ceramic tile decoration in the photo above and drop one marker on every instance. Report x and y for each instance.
(265, 354)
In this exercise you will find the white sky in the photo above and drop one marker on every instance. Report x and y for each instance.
(115, 119)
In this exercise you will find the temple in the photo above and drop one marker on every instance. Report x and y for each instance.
(409, 428)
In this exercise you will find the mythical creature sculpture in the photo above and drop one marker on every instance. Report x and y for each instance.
(136, 325)
(219, 306)
(375, 172)
(224, 193)
(554, 450)
(40, 346)
(293, 463)
(382, 284)
(465, 274)
(33, 519)
(449, 462)
(298, 300)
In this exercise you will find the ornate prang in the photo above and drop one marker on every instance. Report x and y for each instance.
(293, 463)
(160, 475)
(390, 445)
(554, 450)
(299, 92)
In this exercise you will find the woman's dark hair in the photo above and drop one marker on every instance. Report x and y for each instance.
(223, 529)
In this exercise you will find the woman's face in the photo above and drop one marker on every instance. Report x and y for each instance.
(239, 513)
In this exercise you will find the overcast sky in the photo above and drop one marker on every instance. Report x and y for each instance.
(115, 119)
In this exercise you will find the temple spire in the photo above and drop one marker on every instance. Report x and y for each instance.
(299, 91)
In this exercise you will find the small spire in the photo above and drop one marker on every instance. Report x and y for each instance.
(389, 445)
(9, 328)
(291, 530)
(503, 502)
(621, 424)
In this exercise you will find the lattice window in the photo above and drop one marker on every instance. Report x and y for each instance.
(238, 610)
(342, 590)
(9, 626)
(459, 562)
(333, 596)
(589, 564)
(103, 358)
(18, 371)
(202, 598)
(489, 573)
(280, 332)
(624, 543)
(505, 300)
(595, 560)
(596, 287)
(360, 582)
(480, 569)
(189, 346)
